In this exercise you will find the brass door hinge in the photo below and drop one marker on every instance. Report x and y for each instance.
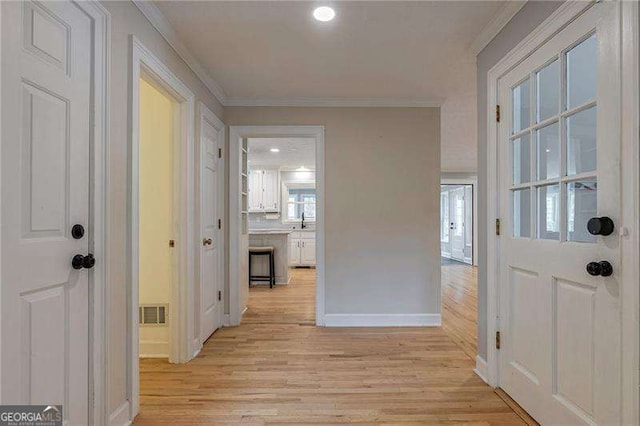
(497, 340)
(497, 226)
(172, 243)
(219, 295)
(497, 113)
(219, 223)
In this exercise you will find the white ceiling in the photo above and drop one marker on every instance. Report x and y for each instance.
(294, 152)
(372, 50)
(418, 53)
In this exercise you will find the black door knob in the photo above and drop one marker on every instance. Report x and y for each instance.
(77, 231)
(89, 261)
(79, 261)
(602, 268)
(600, 226)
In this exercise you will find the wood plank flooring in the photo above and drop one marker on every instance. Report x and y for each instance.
(277, 368)
(460, 306)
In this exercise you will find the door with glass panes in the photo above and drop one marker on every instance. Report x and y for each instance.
(559, 169)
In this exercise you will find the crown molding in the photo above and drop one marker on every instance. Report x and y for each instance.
(496, 24)
(163, 26)
(334, 102)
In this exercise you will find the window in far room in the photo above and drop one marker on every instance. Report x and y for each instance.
(300, 198)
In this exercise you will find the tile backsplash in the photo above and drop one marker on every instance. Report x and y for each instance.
(260, 221)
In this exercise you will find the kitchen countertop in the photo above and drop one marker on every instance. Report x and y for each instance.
(270, 231)
(277, 231)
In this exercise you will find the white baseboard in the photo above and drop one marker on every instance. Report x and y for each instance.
(481, 368)
(226, 320)
(382, 320)
(120, 417)
(154, 349)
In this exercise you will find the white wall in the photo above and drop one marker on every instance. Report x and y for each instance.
(126, 19)
(382, 186)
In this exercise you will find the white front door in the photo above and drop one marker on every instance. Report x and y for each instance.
(211, 139)
(457, 217)
(46, 122)
(559, 157)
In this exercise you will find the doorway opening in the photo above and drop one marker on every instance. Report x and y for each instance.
(282, 216)
(156, 218)
(459, 276)
(162, 219)
(456, 223)
(276, 214)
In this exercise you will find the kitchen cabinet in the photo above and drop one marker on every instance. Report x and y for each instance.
(264, 190)
(302, 248)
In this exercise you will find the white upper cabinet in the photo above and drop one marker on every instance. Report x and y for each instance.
(255, 190)
(271, 193)
(264, 194)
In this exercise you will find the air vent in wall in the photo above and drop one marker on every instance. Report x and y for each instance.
(152, 314)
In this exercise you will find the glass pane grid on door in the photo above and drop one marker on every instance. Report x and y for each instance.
(553, 147)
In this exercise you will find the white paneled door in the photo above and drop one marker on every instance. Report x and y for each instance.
(46, 94)
(211, 139)
(559, 143)
(457, 216)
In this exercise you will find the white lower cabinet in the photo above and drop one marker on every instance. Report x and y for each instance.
(302, 248)
(294, 252)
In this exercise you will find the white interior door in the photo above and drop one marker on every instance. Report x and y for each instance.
(457, 225)
(559, 160)
(445, 224)
(46, 90)
(211, 139)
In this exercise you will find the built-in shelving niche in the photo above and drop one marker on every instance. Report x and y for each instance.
(244, 194)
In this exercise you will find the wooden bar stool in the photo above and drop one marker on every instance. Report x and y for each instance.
(270, 253)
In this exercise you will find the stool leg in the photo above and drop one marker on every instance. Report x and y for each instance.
(272, 269)
(249, 269)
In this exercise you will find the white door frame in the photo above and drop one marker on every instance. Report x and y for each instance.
(474, 205)
(206, 115)
(236, 134)
(630, 226)
(148, 66)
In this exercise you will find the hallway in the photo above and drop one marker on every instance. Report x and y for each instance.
(277, 368)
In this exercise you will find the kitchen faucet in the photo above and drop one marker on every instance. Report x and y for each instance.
(303, 225)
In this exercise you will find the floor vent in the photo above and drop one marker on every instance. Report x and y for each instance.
(152, 314)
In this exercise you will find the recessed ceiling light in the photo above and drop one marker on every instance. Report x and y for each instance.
(324, 13)
(275, 150)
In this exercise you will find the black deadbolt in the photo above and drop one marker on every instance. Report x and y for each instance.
(79, 261)
(77, 231)
(602, 268)
(600, 226)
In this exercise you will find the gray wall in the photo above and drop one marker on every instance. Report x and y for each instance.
(382, 186)
(525, 21)
(126, 19)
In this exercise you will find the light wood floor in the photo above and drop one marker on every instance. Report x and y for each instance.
(460, 306)
(277, 368)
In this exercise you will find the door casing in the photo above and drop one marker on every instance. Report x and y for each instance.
(630, 226)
